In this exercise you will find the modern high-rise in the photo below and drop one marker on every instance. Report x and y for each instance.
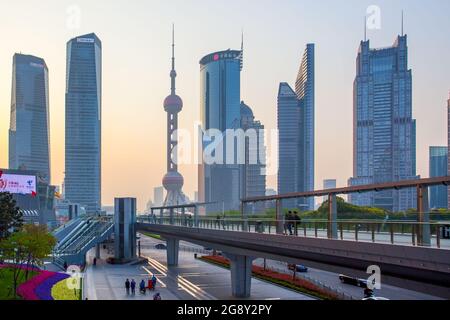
(29, 138)
(328, 184)
(448, 134)
(158, 196)
(83, 122)
(253, 172)
(296, 114)
(220, 87)
(438, 168)
(384, 133)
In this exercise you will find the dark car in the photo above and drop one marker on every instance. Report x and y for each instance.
(298, 267)
(160, 246)
(362, 283)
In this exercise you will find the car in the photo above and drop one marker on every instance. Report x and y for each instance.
(298, 267)
(160, 246)
(362, 283)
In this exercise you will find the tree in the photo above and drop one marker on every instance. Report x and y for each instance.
(10, 216)
(26, 250)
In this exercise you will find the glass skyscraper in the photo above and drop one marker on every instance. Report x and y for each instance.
(83, 122)
(384, 134)
(448, 134)
(220, 93)
(438, 168)
(29, 138)
(296, 126)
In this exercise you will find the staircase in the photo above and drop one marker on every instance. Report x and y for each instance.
(78, 237)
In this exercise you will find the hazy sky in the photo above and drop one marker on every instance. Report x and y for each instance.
(136, 61)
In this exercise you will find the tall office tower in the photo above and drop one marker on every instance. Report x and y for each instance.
(384, 134)
(253, 174)
(438, 168)
(448, 131)
(173, 181)
(83, 122)
(158, 196)
(288, 142)
(328, 184)
(305, 90)
(296, 134)
(29, 138)
(220, 79)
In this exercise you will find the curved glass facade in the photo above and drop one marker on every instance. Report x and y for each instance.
(29, 146)
(220, 83)
(83, 122)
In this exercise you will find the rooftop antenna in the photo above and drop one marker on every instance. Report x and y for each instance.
(403, 33)
(173, 73)
(365, 28)
(242, 49)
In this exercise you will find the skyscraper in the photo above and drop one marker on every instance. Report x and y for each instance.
(328, 184)
(173, 181)
(448, 134)
(158, 196)
(296, 127)
(438, 168)
(220, 79)
(253, 171)
(305, 90)
(384, 135)
(83, 122)
(29, 138)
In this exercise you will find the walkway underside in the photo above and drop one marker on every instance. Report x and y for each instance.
(426, 266)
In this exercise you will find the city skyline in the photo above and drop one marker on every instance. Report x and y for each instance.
(261, 94)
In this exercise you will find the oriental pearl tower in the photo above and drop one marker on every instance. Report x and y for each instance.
(173, 181)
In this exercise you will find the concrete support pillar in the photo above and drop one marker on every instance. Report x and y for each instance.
(424, 229)
(97, 250)
(173, 246)
(161, 216)
(241, 275)
(332, 229)
(125, 228)
(279, 216)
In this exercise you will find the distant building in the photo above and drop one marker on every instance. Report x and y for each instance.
(29, 138)
(254, 171)
(296, 125)
(384, 134)
(438, 168)
(34, 196)
(83, 122)
(220, 82)
(158, 196)
(328, 184)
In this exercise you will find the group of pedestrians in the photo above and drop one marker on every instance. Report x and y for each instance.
(130, 287)
(292, 222)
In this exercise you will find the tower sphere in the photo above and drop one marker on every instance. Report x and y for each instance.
(173, 104)
(173, 181)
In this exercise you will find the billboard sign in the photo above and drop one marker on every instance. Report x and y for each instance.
(18, 184)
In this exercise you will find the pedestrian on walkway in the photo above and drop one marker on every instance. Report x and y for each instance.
(65, 266)
(127, 286)
(142, 286)
(297, 222)
(133, 287)
(157, 296)
(153, 282)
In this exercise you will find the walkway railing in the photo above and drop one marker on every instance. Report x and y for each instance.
(375, 231)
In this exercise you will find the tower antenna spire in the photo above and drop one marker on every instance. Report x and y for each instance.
(242, 49)
(403, 33)
(173, 73)
(365, 28)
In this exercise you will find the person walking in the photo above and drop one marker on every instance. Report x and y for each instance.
(154, 282)
(157, 296)
(133, 287)
(127, 286)
(289, 222)
(297, 222)
(142, 286)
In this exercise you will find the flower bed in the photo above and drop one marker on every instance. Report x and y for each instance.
(286, 280)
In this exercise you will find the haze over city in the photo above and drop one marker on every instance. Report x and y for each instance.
(136, 40)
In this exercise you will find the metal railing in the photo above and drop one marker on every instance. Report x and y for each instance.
(375, 231)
